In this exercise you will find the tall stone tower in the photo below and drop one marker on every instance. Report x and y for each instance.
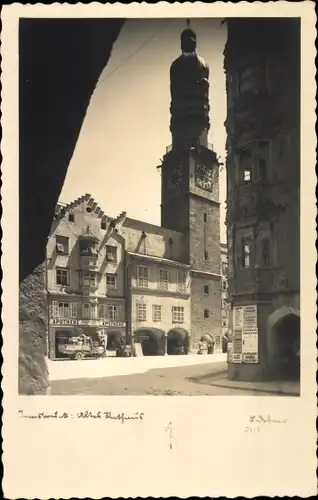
(190, 186)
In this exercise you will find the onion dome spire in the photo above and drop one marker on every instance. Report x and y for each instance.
(189, 85)
(188, 40)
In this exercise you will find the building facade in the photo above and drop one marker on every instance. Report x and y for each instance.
(262, 65)
(85, 274)
(159, 285)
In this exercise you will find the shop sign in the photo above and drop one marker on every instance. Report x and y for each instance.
(63, 322)
(87, 322)
(102, 322)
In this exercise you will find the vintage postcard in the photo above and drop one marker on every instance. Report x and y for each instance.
(159, 240)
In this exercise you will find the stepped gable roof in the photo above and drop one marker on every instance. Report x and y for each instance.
(63, 208)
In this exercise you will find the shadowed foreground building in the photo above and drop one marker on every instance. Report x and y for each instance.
(262, 64)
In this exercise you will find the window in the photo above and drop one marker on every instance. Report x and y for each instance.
(88, 248)
(62, 245)
(262, 169)
(62, 276)
(266, 251)
(224, 322)
(156, 313)
(206, 313)
(246, 79)
(86, 311)
(205, 217)
(163, 279)
(111, 281)
(181, 282)
(103, 224)
(263, 159)
(111, 253)
(247, 175)
(142, 276)
(90, 311)
(224, 285)
(206, 255)
(113, 311)
(101, 311)
(178, 314)
(246, 253)
(64, 309)
(71, 217)
(206, 289)
(89, 278)
(224, 268)
(73, 310)
(245, 161)
(141, 311)
(93, 311)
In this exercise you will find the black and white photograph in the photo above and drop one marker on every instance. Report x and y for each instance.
(163, 239)
(179, 272)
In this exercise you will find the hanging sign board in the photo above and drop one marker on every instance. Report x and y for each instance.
(237, 345)
(250, 317)
(245, 335)
(250, 346)
(237, 317)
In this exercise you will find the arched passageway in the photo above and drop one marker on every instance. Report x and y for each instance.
(285, 346)
(152, 341)
(178, 341)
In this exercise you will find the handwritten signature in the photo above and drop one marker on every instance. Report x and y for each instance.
(256, 421)
(260, 419)
(99, 415)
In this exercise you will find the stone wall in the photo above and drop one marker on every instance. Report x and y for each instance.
(33, 373)
(201, 301)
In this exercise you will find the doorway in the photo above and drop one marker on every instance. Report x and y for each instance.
(177, 342)
(286, 347)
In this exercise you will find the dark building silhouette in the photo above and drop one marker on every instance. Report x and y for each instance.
(262, 65)
(60, 61)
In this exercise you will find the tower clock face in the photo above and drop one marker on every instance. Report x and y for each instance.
(203, 177)
(175, 177)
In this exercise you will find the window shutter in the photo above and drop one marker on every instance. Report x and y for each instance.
(55, 309)
(73, 310)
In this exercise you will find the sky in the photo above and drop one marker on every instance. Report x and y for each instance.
(126, 129)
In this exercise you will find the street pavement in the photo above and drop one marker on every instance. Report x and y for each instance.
(108, 367)
(158, 376)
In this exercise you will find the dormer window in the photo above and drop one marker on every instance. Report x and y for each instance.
(88, 247)
(62, 245)
(111, 253)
